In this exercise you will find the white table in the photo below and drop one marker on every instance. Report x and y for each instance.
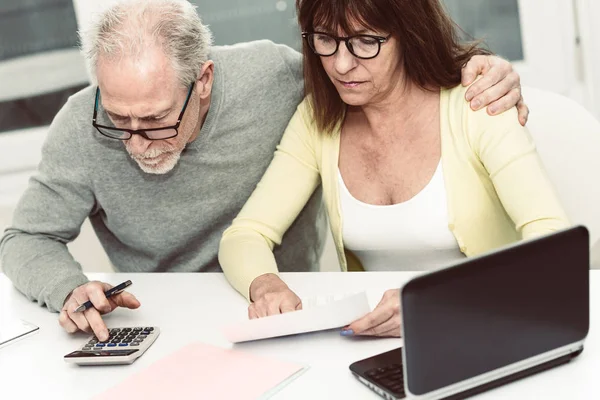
(190, 307)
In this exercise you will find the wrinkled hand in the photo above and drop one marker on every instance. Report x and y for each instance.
(90, 320)
(383, 321)
(499, 87)
(271, 296)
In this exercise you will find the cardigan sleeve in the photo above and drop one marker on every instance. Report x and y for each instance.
(246, 248)
(508, 152)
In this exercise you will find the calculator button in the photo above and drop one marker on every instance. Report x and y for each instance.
(111, 345)
(115, 330)
(93, 341)
(126, 329)
(127, 341)
(138, 329)
(135, 344)
(100, 345)
(150, 329)
(123, 344)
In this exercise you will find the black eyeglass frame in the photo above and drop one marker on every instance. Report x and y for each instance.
(380, 40)
(141, 132)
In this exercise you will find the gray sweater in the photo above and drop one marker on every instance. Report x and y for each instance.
(161, 223)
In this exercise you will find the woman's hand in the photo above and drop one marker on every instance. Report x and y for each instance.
(383, 321)
(499, 88)
(271, 296)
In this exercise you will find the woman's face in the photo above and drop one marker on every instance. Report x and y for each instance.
(362, 82)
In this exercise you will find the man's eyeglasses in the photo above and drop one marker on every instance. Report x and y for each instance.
(157, 133)
(360, 46)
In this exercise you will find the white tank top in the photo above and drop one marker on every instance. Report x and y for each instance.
(412, 235)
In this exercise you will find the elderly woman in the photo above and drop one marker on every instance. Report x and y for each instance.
(412, 177)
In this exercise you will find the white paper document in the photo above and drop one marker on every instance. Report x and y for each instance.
(317, 314)
(12, 329)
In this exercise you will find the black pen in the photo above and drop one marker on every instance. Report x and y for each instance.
(115, 290)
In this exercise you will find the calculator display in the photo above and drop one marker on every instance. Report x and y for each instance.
(101, 353)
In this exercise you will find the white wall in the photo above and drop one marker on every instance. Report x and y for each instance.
(548, 34)
(588, 15)
(561, 40)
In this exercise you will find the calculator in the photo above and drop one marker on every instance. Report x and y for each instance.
(123, 346)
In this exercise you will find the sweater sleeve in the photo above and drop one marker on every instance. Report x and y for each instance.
(293, 61)
(246, 248)
(33, 250)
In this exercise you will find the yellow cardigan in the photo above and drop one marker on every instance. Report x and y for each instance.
(496, 187)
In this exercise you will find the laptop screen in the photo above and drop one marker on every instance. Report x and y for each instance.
(495, 310)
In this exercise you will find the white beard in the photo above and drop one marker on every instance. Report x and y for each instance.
(164, 166)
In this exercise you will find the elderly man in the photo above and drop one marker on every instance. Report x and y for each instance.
(162, 153)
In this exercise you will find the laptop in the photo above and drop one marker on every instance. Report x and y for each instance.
(488, 321)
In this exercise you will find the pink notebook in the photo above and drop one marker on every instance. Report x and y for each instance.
(200, 371)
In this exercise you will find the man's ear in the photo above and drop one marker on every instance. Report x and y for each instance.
(205, 80)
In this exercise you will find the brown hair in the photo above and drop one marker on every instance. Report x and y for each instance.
(432, 53)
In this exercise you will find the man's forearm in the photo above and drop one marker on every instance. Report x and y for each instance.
(40, 267)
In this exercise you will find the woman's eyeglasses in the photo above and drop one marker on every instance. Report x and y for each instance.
(360, 46)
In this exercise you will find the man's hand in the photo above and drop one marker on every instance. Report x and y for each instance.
(384, 320)
(90, 320)
(271, 296)
(499, 88)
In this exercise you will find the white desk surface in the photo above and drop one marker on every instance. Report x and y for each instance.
(189, 307)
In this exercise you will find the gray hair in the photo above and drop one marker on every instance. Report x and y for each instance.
(130, 26)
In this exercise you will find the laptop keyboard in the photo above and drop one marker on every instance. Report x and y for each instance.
(389, 378)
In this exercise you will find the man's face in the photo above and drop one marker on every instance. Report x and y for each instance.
(145, 93)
